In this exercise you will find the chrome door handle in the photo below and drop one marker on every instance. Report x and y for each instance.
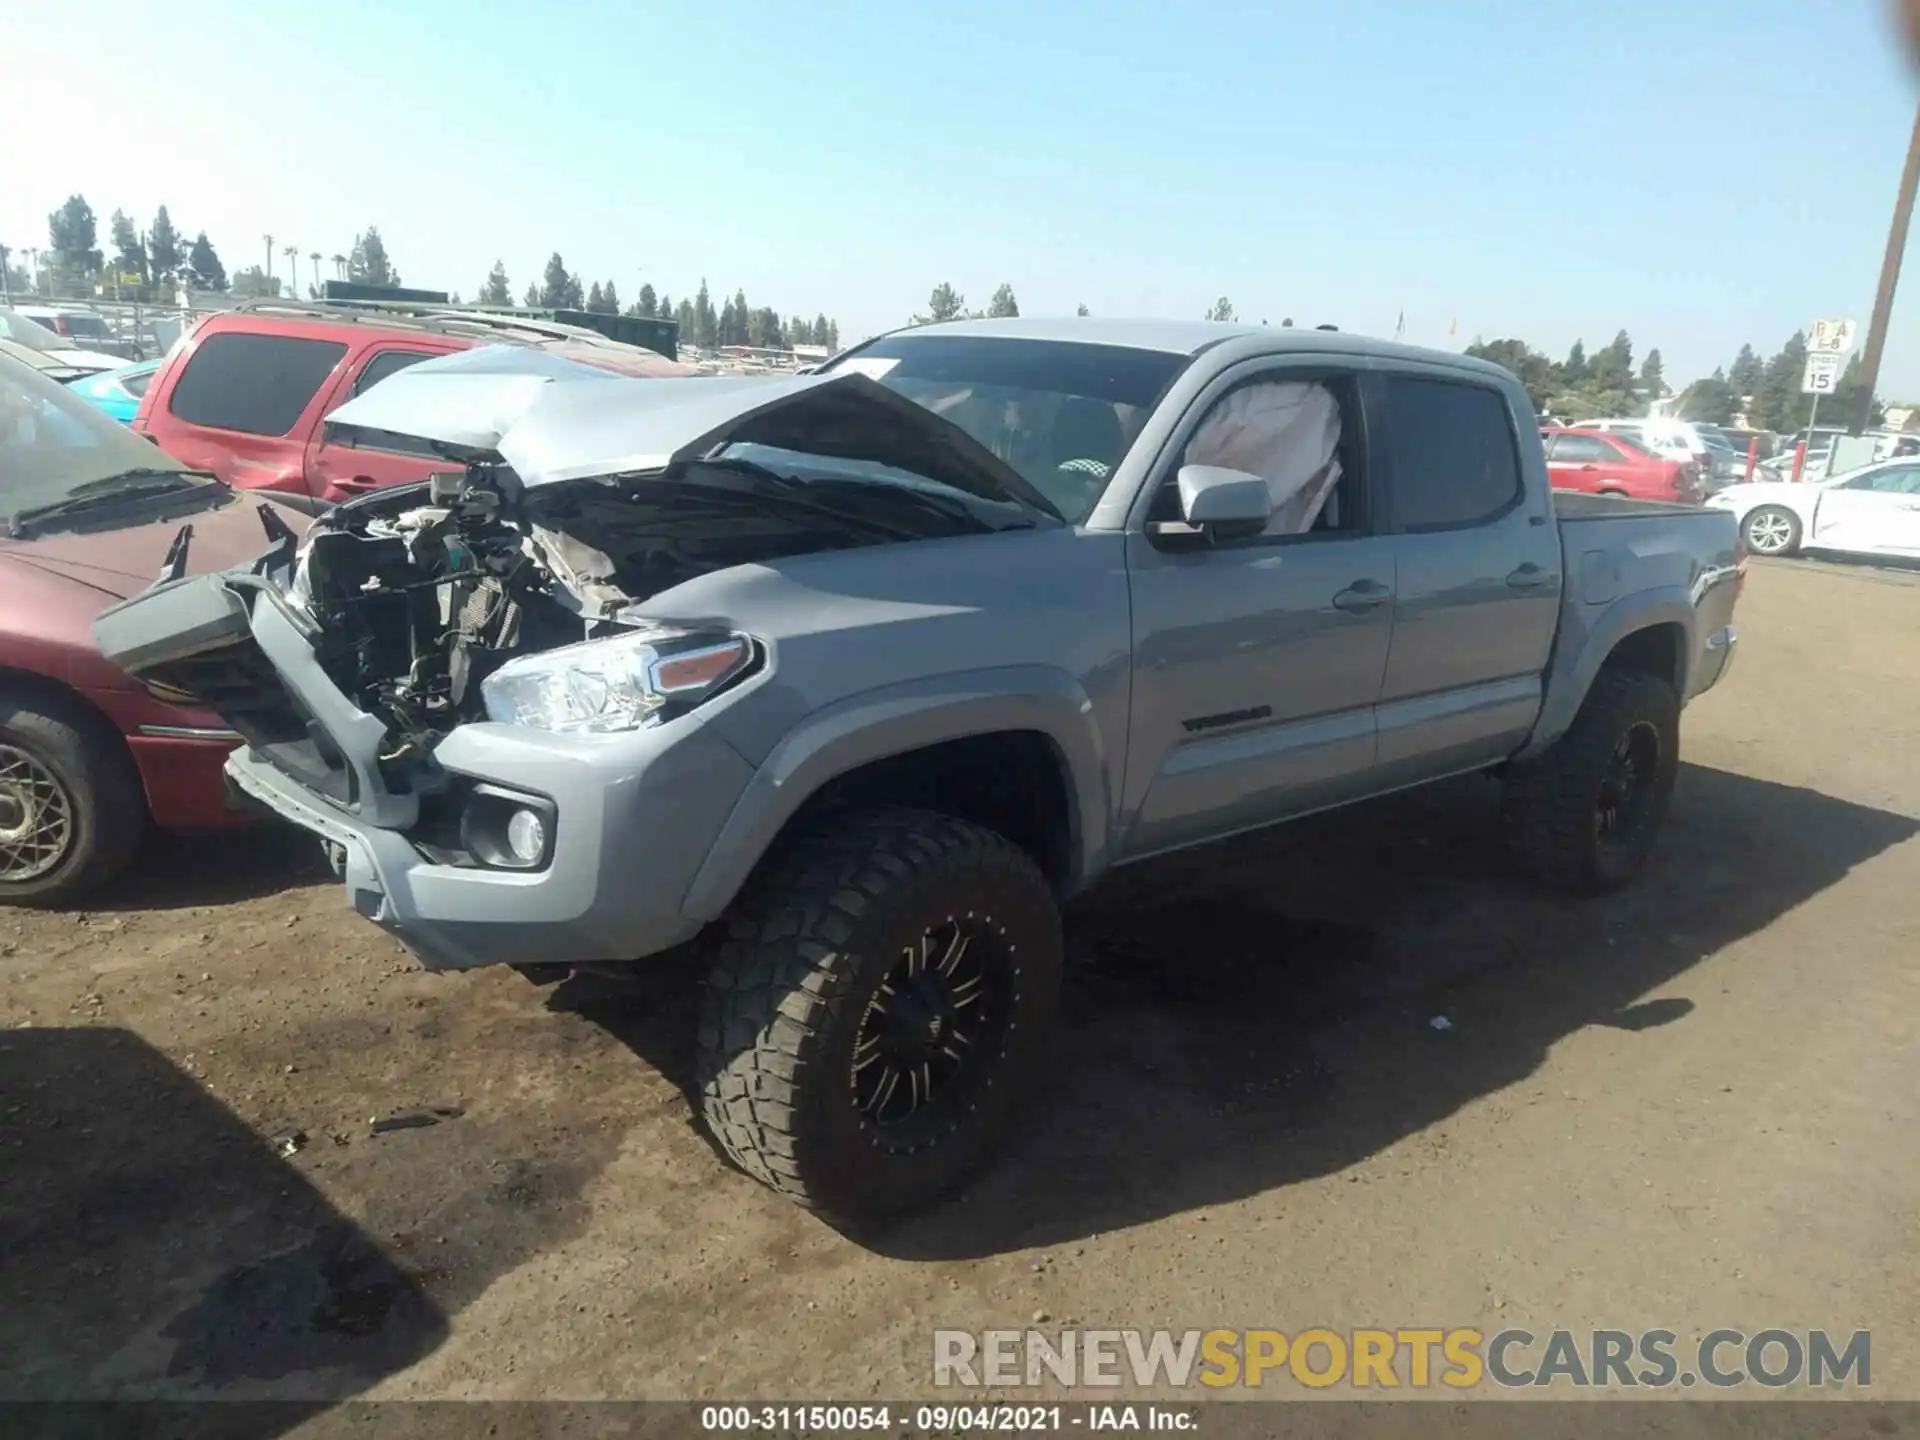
(1527, 577)
(1362, 596)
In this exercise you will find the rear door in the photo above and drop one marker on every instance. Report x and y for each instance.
(1876, 512)
(1582, 462)
(240, 405)
(1256, 662)
(1477, 557)
(342, 465)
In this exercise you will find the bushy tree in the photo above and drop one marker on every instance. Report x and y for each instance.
(609, 299)
(1747, 372)
(203, 265)
(594, 301)
(163, 246)
(706, 320)
(1711, 401)
(533, 295)
(557, 287)
(1574, 370)
(1528, 365)
(1222, 309)
(72, 237)
(1653, 378)
(945, 303)
(1082, 309)
(1777, 401)
(647, 303)
(1003, 305)
(253, 283)
(368, 263)
(1848, 394)
(130, 251)
(495, 291)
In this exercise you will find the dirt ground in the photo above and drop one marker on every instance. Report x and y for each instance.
(1691, 1105)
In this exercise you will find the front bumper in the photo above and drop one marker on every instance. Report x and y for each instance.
(634, 814)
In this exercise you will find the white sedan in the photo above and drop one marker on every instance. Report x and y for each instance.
(1874, 510)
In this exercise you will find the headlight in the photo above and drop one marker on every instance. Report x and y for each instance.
(624, 682)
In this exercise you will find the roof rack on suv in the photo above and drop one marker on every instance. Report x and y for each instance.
(436, 319)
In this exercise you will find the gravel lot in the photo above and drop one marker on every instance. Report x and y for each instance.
(1690, 1105)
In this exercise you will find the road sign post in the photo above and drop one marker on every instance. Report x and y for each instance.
(1827, 342)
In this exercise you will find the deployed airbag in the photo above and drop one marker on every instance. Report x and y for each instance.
(1287, 433)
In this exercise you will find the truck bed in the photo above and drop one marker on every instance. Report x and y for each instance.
(1576, 505)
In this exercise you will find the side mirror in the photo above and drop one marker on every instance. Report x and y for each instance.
(1217, 503)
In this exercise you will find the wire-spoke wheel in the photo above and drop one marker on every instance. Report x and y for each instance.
(36, 817)
(883, 992)
(1773, 530)
(71, 807)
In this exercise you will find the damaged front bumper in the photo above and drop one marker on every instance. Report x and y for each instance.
(628, 817)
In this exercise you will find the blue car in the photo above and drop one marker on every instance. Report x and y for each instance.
(117, 392)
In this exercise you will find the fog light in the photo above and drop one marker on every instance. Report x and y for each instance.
(526, 837)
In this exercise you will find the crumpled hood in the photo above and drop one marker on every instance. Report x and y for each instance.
(553, 420)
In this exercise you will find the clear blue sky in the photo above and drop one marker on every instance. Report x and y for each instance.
(1701, 172)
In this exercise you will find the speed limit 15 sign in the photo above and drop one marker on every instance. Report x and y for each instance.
(1822, 374)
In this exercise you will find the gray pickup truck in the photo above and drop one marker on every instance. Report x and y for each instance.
(849, 678)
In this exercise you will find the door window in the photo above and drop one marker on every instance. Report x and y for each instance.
(1300, 435)
(1581, 450)
(1889, 480)
(256, 384)
(383, 364)
(1451, 453)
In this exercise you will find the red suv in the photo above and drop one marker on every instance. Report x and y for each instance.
(1607, 462)
(246, 393)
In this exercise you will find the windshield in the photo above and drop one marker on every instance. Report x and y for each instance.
(1062, 414)
(30, 333)
(53, 443)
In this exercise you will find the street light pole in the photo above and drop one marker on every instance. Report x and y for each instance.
(1889, 277)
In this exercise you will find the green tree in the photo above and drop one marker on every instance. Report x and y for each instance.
(609, 299)
(1573, 370)
(495, 291)
(1287, 324)
(1081, 309)
(763, 329)
(130, 251)
(163, 247)
(1711, 401)
(533, 295)
(1003, 305)
(663, 308)
(826, 332)
(945, 303)
(1747, 372)
(723, 327)
(594, 302)
(689, 322)
(203, 263)
(1848, 394)
(368, 263)
(648, 303)
(72, 237)
(740, 318)
(1613, 365)
(1528, 365)
(1222, 310)
(706, 322)
(253, 283)
(1653, 377)
(799, 332)
(1777, 401)
(556, 285)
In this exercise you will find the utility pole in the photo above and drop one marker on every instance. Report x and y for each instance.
(6, 294)
(1889, 277)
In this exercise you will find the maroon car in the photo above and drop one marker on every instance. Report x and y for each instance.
(88, 759)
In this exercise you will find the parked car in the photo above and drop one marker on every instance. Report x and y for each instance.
(89, 759)
(117, 392)
(1600, 462)
(82, 329)
(1874, 510)
(59, 351)
(1677, 439)
(848, 678)
(245, 395)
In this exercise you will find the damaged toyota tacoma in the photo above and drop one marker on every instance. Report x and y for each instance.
(845, 680)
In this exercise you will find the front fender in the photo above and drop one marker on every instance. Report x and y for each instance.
(898, 718)
(1588, 635)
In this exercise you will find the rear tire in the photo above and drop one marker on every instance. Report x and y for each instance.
(1585, 815)
(72, 811)
(894, 943)
(1772, 530)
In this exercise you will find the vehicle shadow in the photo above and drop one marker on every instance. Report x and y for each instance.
(155, 1248)
(179, 872)
(1282, 1007)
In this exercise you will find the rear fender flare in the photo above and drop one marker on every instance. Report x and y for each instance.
(896, 719)
(1580, 656)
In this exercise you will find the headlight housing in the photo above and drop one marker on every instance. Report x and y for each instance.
(643, 677)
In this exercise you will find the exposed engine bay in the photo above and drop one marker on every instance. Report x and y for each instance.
(419, 594)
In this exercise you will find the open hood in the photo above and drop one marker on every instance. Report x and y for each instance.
(553, 420)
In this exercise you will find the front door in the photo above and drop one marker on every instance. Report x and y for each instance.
(1256, 662)
(1584, 462)
(1876, 512)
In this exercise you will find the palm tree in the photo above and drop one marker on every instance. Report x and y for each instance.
(340, 267)
(292, 252)
(269, 240)
(315, 258)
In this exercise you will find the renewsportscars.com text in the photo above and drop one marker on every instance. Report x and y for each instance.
(1362, 1359)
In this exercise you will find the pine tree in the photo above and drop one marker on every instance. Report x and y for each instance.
(1574, 370)
(647, 304)
(368, 264)
(1747, 372)
(495, 291)
(609, 299)
(1222, 310)
(533, 295)
(208, 272)
(593, 297)
(163, 246)
(1653, 379)
(1003, 305)
(556, 286)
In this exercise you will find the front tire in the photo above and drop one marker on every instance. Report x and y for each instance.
(71, 808)
(872, 1017)
(1585, 815)
(1772, 530)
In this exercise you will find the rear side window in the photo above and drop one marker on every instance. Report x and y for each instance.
(384, 364)
(1452, 453)
(256, 384)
